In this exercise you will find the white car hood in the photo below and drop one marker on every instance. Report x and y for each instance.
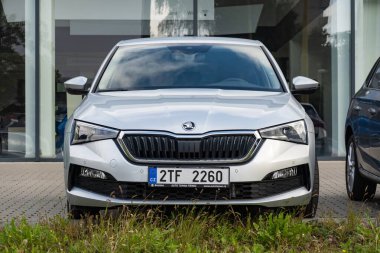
(209, 109)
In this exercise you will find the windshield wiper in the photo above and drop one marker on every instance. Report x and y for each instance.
(110, 90)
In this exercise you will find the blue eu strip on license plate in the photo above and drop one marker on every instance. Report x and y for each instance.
(152, 175)
(188, 177)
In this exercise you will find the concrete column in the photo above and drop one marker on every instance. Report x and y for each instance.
(367, 38)
(47, 78)
(73, 101)
(30, 84)
(340, 69)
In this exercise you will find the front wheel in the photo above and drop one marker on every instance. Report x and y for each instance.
(358, 187)
(311, 208)
(79, 212)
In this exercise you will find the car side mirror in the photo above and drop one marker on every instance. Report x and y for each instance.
(76, 86)
(375, 82)
(377, 75)
(304, 85)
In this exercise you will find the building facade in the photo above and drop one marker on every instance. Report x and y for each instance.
(45, 42)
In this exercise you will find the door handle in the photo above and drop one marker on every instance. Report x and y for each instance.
(357, 108)
(372, 111)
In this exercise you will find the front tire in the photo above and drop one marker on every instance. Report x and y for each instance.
(74, 212)
(358, 187)
(311, 208)
(79, 212)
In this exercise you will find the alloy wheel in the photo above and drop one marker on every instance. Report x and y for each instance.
(351, 163)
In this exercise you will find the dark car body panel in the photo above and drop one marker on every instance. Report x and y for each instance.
(363, 119)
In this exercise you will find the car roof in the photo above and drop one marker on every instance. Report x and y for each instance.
(191, 40)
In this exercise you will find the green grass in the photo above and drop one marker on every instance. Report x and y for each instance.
(189, 230)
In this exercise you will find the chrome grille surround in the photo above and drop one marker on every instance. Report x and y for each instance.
(192, 140)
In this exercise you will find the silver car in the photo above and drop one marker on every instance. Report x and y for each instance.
(190, 121)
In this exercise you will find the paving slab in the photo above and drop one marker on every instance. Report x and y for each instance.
(333, 200)
(36, 191)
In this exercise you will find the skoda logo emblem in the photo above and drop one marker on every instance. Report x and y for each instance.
(188, 126)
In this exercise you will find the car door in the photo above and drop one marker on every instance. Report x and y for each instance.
(374, 115)
(366, 109)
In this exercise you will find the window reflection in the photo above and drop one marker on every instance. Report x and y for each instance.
(15, 50)
(306, 37)
(212, 66)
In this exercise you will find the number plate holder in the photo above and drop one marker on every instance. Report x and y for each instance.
(188, 177)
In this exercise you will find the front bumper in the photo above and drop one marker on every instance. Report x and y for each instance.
(273, 155)
(295, 197)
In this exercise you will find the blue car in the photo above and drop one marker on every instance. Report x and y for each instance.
(363, 139)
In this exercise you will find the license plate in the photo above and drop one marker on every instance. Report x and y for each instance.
(188, 177)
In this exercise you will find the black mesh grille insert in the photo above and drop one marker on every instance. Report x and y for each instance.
(209, 148)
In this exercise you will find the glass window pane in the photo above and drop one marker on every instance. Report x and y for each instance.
(86, 30)
(367, 38)
(308, 38)
(17, 78)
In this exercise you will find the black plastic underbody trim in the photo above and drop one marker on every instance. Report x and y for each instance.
(236, 191)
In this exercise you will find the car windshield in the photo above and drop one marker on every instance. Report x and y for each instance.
(214, 66)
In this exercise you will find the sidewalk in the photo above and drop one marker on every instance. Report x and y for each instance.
(36, 190)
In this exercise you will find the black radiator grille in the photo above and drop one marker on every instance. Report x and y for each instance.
(209, 148)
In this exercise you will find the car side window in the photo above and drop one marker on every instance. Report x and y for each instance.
(374, 82)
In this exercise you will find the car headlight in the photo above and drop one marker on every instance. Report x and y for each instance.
(85, 132)
(293, 132)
